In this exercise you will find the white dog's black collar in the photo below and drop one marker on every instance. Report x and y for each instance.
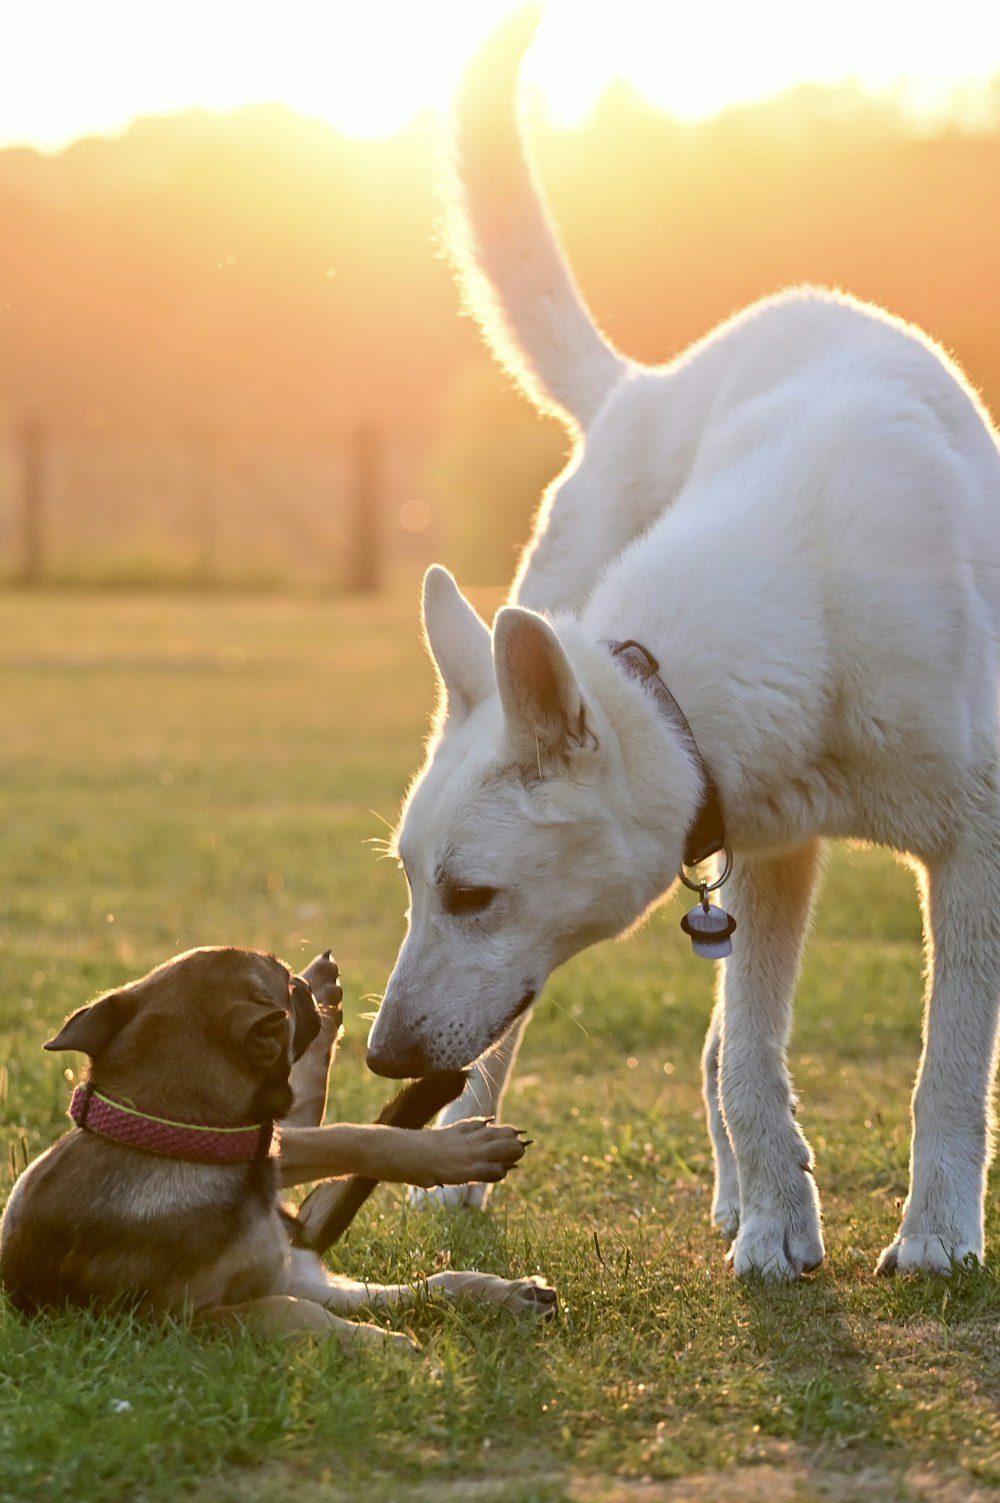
(707, 834)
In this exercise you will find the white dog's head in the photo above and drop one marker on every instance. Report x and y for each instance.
(520, 837)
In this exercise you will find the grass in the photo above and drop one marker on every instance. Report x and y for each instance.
(185, 769)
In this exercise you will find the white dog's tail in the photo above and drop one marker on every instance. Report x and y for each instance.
(515, 279)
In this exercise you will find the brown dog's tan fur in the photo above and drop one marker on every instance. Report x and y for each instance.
(208, 1036)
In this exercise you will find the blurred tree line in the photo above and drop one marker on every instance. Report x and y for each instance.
(258, 274)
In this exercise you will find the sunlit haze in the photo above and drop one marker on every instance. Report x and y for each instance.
(69, 69)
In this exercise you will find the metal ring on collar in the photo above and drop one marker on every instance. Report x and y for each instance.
(703, 887)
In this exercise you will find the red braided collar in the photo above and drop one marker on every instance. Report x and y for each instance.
(192, 1141)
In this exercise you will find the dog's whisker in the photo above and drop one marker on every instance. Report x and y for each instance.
(390, 842)
(486, 1073)
(383, 849)
(369, 1017)
(567, 1014)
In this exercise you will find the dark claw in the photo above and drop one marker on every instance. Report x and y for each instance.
(548, 1302)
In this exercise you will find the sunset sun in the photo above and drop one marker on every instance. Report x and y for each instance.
(367, 69)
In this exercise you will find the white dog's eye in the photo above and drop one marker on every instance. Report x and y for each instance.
(462, 900)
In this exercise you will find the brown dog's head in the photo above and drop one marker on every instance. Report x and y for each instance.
(209, 1035)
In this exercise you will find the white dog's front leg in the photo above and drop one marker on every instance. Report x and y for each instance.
(482, 1097)
(779, 1235)
(943, 1217)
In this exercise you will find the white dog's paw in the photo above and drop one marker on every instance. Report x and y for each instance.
(451, 1196)
(782, 1238)
(776, 1249)
(926, 1254)
(779, 1246)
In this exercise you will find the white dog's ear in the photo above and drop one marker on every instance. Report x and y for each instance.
(544, 709)
(459, 643)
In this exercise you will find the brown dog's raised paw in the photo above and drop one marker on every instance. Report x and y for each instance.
(323, 976)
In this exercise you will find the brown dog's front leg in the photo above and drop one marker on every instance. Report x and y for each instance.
(462, 1153)
(310, 1074)
(328, 1212)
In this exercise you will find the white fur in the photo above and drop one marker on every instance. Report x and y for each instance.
(800, 518)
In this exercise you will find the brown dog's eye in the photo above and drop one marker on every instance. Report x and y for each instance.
(463, 900)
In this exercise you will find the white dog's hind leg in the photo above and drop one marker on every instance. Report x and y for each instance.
(943, 1216)
(726, 1197)
(779, 1235)
(482, 1097)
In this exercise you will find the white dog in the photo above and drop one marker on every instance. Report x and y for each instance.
(799, 520)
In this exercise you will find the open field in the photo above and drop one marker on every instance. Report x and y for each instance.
(185, 770)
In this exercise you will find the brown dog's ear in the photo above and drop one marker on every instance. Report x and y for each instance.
(92, 1028)
(260, 1033)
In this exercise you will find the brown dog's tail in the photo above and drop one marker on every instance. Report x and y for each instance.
(328, 1211)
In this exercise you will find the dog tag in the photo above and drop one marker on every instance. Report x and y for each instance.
(710, 929)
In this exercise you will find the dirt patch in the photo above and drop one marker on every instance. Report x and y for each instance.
(790, 1483)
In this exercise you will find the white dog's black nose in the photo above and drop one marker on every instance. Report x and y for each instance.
(401, 1063)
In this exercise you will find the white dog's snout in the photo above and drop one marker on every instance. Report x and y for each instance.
(397, 1060)
(395, 1047)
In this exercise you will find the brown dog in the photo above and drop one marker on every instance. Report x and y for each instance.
(164, 1196)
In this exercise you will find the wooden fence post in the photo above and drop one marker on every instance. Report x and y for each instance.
(33, 447)
(364, 571)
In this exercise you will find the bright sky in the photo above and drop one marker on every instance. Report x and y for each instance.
(72, 67)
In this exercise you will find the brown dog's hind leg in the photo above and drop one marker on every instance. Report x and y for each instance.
(310, 1074)
(530, 1296)
(284, 1316)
